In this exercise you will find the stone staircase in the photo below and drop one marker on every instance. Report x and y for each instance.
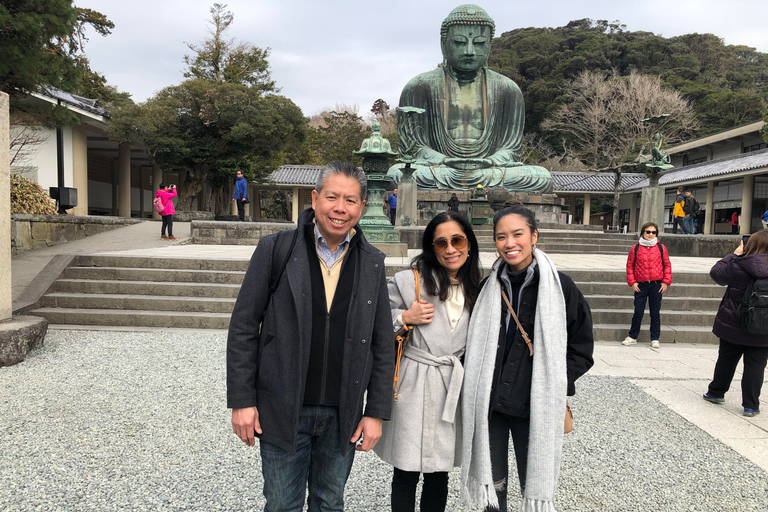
(144, 292)
(566, 241)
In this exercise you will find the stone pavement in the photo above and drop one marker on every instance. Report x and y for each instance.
(676, 375)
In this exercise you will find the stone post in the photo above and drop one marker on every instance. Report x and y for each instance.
(80, 168)
(633, 215)
(157, 179)
(407, 213)
(709, 209)
(6, 295)
(232, 204)
(248, 195)
(652, 206)
(747, 191)
(295, 207)
(587, 206)
(124, 173)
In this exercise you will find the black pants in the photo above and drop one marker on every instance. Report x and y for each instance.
(167, 223)
(241, 209)
(392, 215)
(751, 380)
(500, 428)
(651, 293)
(434, 492)
(678, 221)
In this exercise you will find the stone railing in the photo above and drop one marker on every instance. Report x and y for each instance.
(234, 233)
(29, 232)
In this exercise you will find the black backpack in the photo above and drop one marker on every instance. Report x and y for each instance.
(696, 206)
(753, 309)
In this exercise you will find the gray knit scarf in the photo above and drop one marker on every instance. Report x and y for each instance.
(549, 386)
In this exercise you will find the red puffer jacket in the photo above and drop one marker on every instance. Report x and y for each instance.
(650, 265)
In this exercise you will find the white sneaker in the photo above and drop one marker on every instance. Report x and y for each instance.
(629, 341)
(654, 343)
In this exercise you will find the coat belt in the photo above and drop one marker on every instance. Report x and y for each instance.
(454, 387)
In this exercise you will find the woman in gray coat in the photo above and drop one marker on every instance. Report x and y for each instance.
(421, 437)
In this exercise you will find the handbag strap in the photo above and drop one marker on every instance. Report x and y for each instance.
(402, 339)
(522, 331)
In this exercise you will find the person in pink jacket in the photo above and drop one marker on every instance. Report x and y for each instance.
(649, 273)
(166, 193)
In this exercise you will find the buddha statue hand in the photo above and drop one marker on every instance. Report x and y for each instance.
(468, 164)
(396, 174)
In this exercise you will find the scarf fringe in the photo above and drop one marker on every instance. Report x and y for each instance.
(530, 505)
(475, 493)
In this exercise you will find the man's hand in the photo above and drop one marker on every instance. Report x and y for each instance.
(663, 287)
(243, 199)
(246, 421)
(370, 429)
(419, 313)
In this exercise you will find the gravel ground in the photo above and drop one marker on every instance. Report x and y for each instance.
(100, 420)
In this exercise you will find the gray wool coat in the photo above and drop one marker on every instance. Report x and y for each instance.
(424, 432)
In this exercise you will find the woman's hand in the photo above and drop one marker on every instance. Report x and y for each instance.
(740, 249)
(420, 312)
(663, 287)
(636, 287)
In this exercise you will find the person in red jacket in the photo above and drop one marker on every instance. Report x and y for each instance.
(649, 273)
(166, 193)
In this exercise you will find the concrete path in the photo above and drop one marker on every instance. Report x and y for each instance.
(676, 375)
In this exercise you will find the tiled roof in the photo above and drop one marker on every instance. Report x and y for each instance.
(730, 165)
(592, 181)
(296, 175)
(86, 104)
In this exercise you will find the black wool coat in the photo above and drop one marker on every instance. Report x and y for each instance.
(736, 272)
(267, 368)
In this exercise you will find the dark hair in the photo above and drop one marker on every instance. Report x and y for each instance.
(162, 185)
(517, 208)
(436, 280)
(646, 226)
(346, 169)
(757, 243)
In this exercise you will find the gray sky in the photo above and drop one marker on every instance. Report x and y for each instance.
(335, 51)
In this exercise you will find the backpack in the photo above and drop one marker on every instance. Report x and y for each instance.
(661, 252)
(753, 310)
(696, 206)
(158, 205)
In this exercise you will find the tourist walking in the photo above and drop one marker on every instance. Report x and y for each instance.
(241, 195)
(735, 223)
(678, 214)
(524, 384)
(166, 193)
(392, 203)
(736, 271)
(649, 274)
(421, 437)
(453, 203)
(316, 353)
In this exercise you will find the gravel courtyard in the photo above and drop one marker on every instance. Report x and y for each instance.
(101, 420)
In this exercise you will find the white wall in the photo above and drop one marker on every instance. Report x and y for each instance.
(44, 159)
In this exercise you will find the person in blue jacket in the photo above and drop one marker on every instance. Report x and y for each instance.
(241, 195)
(392, 203)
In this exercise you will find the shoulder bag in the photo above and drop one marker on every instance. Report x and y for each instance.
(402, 336)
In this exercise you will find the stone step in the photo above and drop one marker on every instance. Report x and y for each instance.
(706, 291)
(179, 319)
(667, 304)
(620, 276)
(138, 302)
(669, 334)
(210, 290)
(155, 274)
(671, 318)
(161, 263)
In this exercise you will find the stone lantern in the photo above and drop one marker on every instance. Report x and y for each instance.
(376, 152)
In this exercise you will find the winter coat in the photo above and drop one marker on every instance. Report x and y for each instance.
(736, 272)
(649, 266)
(268, 368)
(677, 211)
(511, 390)
(241, 189)
(453, 204)
(424, 433)
(166, 198)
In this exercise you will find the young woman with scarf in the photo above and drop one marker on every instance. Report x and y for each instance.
(511, 388)
(649, 273)
(421, 437)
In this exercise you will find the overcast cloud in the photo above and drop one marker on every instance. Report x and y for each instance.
(331, 52)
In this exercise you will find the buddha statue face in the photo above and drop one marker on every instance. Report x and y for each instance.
(466, 47)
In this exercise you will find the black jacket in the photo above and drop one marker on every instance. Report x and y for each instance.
(511, 391)
(270, 370)
(736, 272)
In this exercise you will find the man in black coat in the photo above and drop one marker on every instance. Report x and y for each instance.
(301, 362)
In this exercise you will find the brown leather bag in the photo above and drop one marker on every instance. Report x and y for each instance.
(402, 336)
(568, 426)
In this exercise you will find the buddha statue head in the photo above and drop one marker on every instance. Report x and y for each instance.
(465, 37)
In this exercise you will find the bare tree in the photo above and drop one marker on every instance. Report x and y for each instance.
(25, 142)
(604, 122)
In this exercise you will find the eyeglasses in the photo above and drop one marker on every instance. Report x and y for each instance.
(457, 241)
(650, 232)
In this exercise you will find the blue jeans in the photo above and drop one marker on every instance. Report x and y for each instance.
(651, 293)
(317, 463)
(688, 225)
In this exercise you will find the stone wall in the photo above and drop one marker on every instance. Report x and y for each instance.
(234, 233)
(29, 232)
(708, 246)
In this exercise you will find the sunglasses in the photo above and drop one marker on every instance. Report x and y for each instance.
(457, 241)
(650, 232)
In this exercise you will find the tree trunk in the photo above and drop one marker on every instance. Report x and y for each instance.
(191, 186)
(222, 200)
(616, 196)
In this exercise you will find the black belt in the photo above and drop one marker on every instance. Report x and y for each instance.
(651, 282)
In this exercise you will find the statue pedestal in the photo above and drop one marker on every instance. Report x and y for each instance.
(480, 212)
(407, 212)
(545, 207)
(651, 207)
